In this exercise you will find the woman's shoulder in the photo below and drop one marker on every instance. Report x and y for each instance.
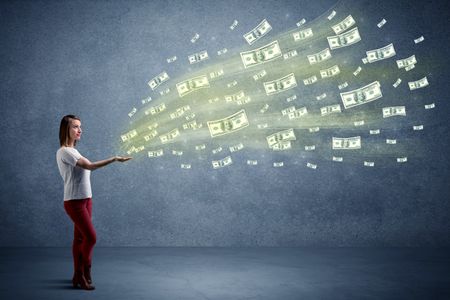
(64, 149)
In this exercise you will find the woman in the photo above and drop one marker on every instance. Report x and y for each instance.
(75, 171)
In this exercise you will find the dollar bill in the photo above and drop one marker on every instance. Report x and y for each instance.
(310, 148)
(291, 98)
(278, 164)
(350, 143)
(179, 112)
(192, 125)
(374, 131)
(343, 85)
(369, 163)
(258, 32)
(222, 162)
(363, 95)
(357, 71)
(331, 15)
(132, 112)
(310, 80)
(358, 123)
(280, 85)
(391, 141)
(298, 113)
(177, 152)
(195, 38)
(418, 127)
(235, 97)
(252, 162)
(236, 147)
(213, 100)
(421, 83)
(216, 74)
(397, 83)
(259, 75)
(381, 53)
(330, 109)
(402, 159)
(243, 101)
(164, 92)
(281, 136)
(198, 57)
(156, 153)
(303, 34)
(137, 149)
(311, 165)
(419, 40)
(429, 106)
(151, 135)
(314, 129)
(394, 111)
(231, 84)
(234, 24)
(406, 62)
(261, 55)
(290, 54)
(170, 136)
(301, 22)
(262, 126)
(338, 158)
(345, 24)
(344, 39)
(287, 110)
(264, 108)
(228, 124)
(154, 110)
(320, 56)
(282, 146)
(222, 51)
(321, 96)
(191, 85)
(200, 147)
(381, 23)
(146, 100)
(171, 59)
(190, 116)
(129, 135)
(330, 72)
(216, 150)
(185, 166)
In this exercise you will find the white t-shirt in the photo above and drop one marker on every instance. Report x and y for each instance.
(77, 181)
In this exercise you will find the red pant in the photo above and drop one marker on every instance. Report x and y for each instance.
(80, 211)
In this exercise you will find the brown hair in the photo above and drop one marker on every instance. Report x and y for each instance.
(64, 129)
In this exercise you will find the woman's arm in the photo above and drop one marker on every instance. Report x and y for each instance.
(86, 164)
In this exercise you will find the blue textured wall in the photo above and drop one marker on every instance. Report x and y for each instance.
(93, 59)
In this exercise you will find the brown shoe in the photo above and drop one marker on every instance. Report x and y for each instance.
(79, 280)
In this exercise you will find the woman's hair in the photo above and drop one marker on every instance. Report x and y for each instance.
(64, 129)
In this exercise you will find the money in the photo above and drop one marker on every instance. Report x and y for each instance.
(146, 100)
(179, 112)
(282, 146)
(363, 95)
(235, 97)
(358, 123)
(374, 131)
(391, 141)
(357, 71)
(397, 83)
(198, 57)
(343, 25)
(287, 110)
(259, 75)
(281, 136)
(185, 166)
(394, 111)
(231, 84)
(310, 148)
(421, 83)
(419, 39)
(345, 39)
(132, 112)
(234, 24)
(290, 54)
(228, 124)
(252, 162)
(191, 85)
(177, 153)
(330, 72)
(321, 96)
(326, 110)
(381, 53)
(258, 32)
(153, 126)
(216, 74)
(192, 125)
(136, 149)
(313, 129)
(244, 101)
(338, 158)
(429, 106)
(190, 116)
(151, 135)
(301, 22)
(170, 136)
(164, 92)
(291, 98)
(154, 110)
(278, 164)
(200, 147)
(217, 150)
(222, 51)
(303, 34)
(264, 108)
(310, 80)
(369, 163)
(171, 59)
(213, 100)
(343, 85)
(350, 143)
(298, 113)
(262, 126)
(236, 148)
(280, 85)
(381, 23)
(418, 127)
(320, 56)
(402, 159)
(406, 62)
(156, 153)
(331, 16)
(311, 166)
(222, 162)
(195, 38)
(261, 55)
(129, 135)
(157, 80)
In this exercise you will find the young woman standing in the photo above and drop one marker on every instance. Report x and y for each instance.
(75, 171)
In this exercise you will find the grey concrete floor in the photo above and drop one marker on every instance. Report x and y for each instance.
(230, 273)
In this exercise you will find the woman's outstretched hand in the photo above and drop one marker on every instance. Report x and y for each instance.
(122, 158)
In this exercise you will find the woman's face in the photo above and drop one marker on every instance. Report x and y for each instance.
(75, 130)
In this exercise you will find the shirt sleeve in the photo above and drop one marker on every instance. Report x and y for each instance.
(70, 156)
